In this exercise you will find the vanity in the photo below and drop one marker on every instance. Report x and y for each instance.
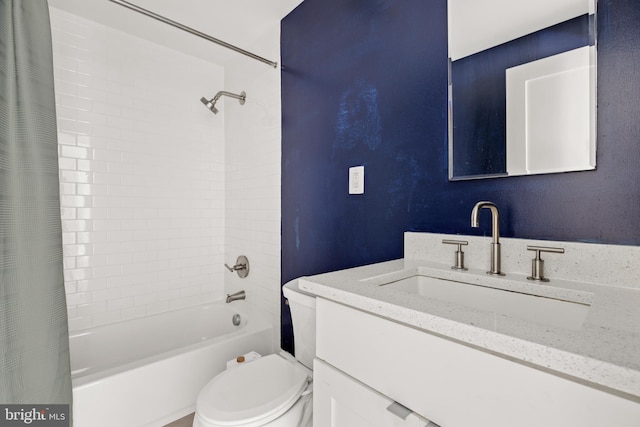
(415, 342)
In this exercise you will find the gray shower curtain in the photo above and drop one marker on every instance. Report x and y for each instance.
(34, 343)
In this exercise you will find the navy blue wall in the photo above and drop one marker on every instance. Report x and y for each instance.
(365, 83)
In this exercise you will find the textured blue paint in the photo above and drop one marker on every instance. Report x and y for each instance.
(329, 47)
(358, 118)
(296, 228)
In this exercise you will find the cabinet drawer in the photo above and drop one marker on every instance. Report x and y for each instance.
(455, 385)
(341, 401)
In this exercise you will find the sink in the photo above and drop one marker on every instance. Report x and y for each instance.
(536, 308)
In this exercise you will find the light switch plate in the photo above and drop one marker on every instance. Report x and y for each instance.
(356, 180)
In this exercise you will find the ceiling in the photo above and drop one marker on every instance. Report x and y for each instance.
(476, 25)
(239, 22)
(244, 23)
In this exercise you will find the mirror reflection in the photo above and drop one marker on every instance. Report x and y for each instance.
(521, 87)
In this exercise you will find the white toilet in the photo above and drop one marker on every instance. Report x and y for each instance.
(274, 390)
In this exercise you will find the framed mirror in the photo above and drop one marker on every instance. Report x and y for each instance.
(522, 87)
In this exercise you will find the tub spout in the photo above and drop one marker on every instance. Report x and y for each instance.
(237, 296)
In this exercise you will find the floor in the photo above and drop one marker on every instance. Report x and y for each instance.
(186, 421)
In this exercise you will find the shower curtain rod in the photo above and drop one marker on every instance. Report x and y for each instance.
(178, 25)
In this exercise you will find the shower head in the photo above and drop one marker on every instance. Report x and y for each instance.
(211, 103)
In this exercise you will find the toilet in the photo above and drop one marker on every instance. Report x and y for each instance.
(274, 390)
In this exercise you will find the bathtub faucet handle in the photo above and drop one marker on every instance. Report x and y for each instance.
(235, 267)
(241, 267)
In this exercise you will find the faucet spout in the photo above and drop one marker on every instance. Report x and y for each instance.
(235, 297)
(495, 218)
(495, 232)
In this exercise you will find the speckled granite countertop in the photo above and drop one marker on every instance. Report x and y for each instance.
(602, 351)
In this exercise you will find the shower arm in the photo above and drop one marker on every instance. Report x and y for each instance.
(242, 97)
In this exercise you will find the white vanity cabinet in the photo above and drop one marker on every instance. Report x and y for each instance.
(365, 362)
(341, 401)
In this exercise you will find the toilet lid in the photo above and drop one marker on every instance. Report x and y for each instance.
(259, 390)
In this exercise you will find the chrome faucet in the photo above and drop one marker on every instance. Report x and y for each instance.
(235, 297)
(495, 233)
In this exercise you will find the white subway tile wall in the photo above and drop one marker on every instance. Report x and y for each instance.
(142, 174)
(253, 181)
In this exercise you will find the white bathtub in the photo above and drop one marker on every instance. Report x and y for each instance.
(149, 371)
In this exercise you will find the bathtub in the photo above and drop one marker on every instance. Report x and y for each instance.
(149, 371)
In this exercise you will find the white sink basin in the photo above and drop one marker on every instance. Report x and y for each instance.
(536, 308)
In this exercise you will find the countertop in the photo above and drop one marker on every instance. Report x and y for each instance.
(602, 352)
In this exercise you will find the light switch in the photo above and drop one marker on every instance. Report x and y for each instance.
(356, 180)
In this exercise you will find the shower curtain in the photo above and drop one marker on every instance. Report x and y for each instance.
(34, 342)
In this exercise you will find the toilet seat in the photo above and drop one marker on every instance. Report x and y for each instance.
(252, 394)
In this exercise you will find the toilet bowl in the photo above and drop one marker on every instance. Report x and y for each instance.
(274, 390)
(270, 391)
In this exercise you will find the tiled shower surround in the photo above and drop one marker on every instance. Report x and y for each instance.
(142, 174)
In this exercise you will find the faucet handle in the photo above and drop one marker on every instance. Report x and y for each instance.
(241, 267)
(459, 262)
(537, 264)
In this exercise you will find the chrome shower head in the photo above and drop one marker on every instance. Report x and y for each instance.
(211, 103)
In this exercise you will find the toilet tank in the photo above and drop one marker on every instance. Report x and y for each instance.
(303, 315)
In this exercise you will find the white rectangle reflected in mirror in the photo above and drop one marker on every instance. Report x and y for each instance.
(522, 87)
(551, 115)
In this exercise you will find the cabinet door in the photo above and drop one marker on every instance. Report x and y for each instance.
(341, 401)
(456, 385)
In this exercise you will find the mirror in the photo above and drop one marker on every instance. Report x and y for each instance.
(522, 87)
